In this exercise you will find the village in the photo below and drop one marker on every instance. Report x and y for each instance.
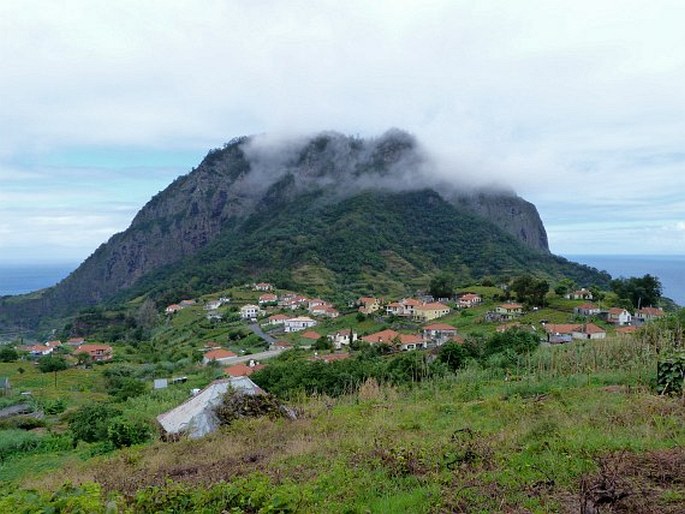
(288, 320)
(285, 320)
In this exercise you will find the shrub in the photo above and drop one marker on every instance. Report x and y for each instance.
(8, 354)
(126, 432)
(235, 405)
(671, 374)
(90, 423)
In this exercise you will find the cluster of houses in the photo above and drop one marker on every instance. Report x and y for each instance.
(412, 308)
(97, 352)
(175, 307)
(286, 302)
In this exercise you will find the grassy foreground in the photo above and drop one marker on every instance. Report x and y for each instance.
(586, 434)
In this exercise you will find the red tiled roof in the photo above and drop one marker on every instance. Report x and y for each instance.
(651, 311)
(435, 306)
(94, 348)
(587, 306)
(384, 336)
(221, 353)
(410, 339)
(561, 328)
(439, 326)
(242, 370)
(591, 328)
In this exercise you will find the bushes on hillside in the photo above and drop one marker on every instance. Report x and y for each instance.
(104, 423)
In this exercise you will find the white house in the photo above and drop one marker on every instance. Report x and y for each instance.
(342, 338)
(299, 323)
(619, 316)
(249, 311)
(587, 309)
(439, 332)
(467, 300)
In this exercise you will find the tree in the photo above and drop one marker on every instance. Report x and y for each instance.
(442, 285)
(323, 344)
(454, 355)
(564, 286)
(530, 290)
(639, 291)
(147, 316)
(52, 363)
(8, 354)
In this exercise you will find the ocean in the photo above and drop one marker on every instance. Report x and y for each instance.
(24, 278)
(670, 269)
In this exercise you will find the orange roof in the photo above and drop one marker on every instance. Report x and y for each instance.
(435, 306)
(310, 334)
(367, 299)
(410, 339)
(384, 336)
(278, 317)
(560, 328)
(410, 301)
(88, 348)
(439, 326)
(242, 370)
(469, 296)
(221, 353)
(651, 311)
(591, 328)
(616, 311)
(587, 306)
(283, 344)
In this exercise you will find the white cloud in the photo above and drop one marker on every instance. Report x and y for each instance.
(577, 105)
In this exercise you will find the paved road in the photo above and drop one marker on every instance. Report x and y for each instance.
(258, 330)
(255, 356)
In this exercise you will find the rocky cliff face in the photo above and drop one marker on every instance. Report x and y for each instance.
(511, 213)
(252, 175)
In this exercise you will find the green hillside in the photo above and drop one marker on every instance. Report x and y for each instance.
(380, 243)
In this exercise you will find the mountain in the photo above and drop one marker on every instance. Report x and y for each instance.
(330, 210)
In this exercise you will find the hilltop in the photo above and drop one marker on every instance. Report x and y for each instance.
(330, 209)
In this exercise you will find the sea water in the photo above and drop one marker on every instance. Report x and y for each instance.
(24, 278)
(670, 269)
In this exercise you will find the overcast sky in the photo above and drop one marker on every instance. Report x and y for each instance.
(579, 106)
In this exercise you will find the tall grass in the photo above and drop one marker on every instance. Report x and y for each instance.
(634, 356)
